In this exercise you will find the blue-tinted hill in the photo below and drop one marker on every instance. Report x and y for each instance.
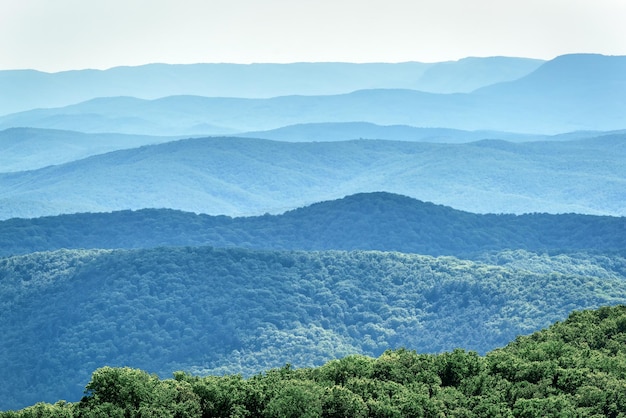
(247, 176)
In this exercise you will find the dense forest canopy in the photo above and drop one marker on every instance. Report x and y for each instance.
(210, 310)
(575, 368)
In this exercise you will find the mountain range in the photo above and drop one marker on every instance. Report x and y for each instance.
(23, 149)
(29, 89)
(569, 93)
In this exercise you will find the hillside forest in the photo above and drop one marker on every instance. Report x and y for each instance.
(572, 368)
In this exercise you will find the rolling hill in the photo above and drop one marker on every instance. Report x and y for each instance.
(557, 97)
(23, 149)
(241, 176)
(370, 221)
(203, 310)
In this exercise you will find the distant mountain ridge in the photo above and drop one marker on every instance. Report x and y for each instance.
(557, 97)
(341, 131)
(28, 89)
(247, 176)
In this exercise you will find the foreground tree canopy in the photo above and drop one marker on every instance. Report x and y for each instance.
(575, 368)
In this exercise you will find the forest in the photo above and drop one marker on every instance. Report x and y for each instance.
(207, 310)
(574, 368)
(185, 255)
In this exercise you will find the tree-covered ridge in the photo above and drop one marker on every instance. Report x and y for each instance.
(208, 310)
(366, 221)
(574, 368)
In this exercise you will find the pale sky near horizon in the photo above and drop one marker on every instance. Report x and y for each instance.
(57, 35)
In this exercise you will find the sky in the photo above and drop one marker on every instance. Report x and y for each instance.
(58, 35)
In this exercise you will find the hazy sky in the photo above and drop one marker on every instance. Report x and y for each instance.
(54, 35)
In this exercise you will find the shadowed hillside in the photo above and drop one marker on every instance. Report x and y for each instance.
(375, 221)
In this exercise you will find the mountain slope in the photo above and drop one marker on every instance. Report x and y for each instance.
(66, 313)
(572, 88)
(469, 74)
(240, 176)
(24, 149)
(372, 221)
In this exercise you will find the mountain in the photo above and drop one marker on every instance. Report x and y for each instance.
(24, 149)
(469, 74)
(207, 310)
(583, 100)
(369, 221)
(564, 75)
(576, 88)
(244, 176)
(28, 89)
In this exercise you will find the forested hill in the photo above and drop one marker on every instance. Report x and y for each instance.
(572, 369)
(205, 310)
(367, 221)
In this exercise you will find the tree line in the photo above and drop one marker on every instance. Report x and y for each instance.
(366, 221)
